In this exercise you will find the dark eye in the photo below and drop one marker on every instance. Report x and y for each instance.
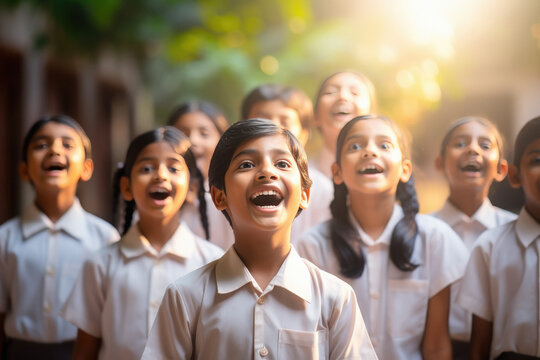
(283, 164)
(459, 144)
(355, 146)
(68, 145)
(485, 145)
(386, 146)
(40, 145)
(146, 169)
(246, 165)
(174, 170)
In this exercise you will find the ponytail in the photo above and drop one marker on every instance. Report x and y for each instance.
(406, 230)
(129, 206)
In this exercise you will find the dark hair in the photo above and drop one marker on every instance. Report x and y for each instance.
(466, 120)
(210, 110)
(363, 78)
(289, 96)
(180, 144)
(528, 133)
(246, 130)
(58, 119)
(344, 236)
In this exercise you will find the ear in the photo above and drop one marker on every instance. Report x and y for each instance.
(304, 201)
(219, 198)
(514, 177)
(336, 174)
(439, 163)
(23, 171)
(88, 170)
(125, 188)
(406, 170)
(502, 170)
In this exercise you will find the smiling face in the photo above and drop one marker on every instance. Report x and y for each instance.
(527, 176)
(371, 160)
(263, 189)
(56, 159)
(341, 98)
(159, 181)
(203, 135)
(471, 158)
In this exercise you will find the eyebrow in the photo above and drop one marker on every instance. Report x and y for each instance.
(150, 158)
(47, 137)
(252, 151)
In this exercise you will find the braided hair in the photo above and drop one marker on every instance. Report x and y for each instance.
(345, 239)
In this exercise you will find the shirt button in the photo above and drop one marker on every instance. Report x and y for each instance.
(263, 351)
(47, 308)
(50, 271)
(260, 300)
(154, 304)
(375, 295)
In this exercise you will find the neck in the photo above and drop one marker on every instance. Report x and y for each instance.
(466, 200)
(54, 204)
(158, 231)
(263, 253)
(372, 212)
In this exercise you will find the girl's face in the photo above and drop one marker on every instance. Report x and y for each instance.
(203, 136)
(371, 160)
(281, 115)
(159, 181)
(342, 97)
(263, 187)
(471, 158)
(528, 177)
(56, 159)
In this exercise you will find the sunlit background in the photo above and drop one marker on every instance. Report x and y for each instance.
(120, 66)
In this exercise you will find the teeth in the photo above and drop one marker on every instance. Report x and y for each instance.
(266, 192)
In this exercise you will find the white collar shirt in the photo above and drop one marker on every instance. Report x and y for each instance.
(39, 262)
(393, 302)
(120, 288)
(323, 162)
(220, 312)
(469, 229)
(501, 285)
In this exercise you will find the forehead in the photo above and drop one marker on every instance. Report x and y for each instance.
(372, 128)
(345, 79)
(269, 144)
(194, 119)
(159, 150)
(472, 128)
(271, 107)
(533, 148)
(56, 130)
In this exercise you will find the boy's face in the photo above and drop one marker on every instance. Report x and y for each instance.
(263, 189)
(56, 159)
(528, 177)
(281, 115)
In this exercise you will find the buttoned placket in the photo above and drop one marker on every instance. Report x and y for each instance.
(261, 351)
(50, 284)
(374, 267)
(157, 285)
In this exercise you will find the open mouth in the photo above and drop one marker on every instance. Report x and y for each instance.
(161, 194)
(266, 199)
(56, 167)
(472, 167)
(370, 169)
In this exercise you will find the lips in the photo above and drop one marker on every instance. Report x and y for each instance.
(471, 167)
(160, 194)
(266, 199)
(370, 169)
(55, 166)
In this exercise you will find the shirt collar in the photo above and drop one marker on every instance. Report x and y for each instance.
(527, 228)
(72, 222)
(181, 243)
(386, 235)
(485, 215)
(232, 274)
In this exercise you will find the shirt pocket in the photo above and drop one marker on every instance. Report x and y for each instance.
(294, 344)
(407, 303)
(68, 276)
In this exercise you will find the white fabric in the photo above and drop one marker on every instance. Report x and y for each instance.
(469, 229)
(120, 288)
(501, 285)
(323, 162)
(39, 262)
(393, 302)
(219, 312)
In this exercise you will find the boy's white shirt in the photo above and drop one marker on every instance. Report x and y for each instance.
(39, 263)
(219, 311)
(394, 302)
(501, 285)
(469, 229)
(117, 296)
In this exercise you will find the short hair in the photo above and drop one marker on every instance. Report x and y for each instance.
(58, 119)
(529, 133)
(207, 108)
(289, 96)
(246, 130)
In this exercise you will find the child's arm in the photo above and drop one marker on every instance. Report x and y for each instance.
(86, 346)
(436, 343)
(482, 331)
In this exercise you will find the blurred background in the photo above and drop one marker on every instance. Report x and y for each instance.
(119, 67)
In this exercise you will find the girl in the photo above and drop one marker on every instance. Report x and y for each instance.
(260, 300)
(204, 124)
(471, 158)
(118, 293)
(42, 250)
(400, 264)
(341, 97)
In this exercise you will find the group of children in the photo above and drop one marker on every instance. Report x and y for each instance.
(235, 246)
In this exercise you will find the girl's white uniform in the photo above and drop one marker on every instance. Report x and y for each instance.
(394, 303)
(39, 263)
(501, 285)
(469, 229)
(117, 296)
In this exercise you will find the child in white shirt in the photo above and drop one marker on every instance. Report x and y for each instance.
(115, 300)
(501, 286)
(41, 251)
(260, 300)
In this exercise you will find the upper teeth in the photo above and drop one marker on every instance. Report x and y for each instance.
(266, 192)
(369, 167)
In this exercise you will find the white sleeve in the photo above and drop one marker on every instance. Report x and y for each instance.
(3, 274)
(170, 336)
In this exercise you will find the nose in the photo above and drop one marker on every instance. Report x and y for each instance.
(345, 93)
(473, 148)
(161, 173)
(267, 172)
(370, 151)
(56, 147)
